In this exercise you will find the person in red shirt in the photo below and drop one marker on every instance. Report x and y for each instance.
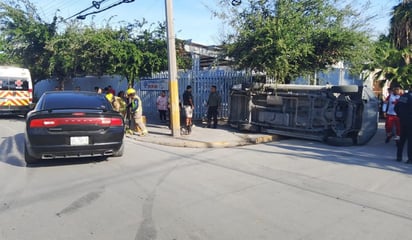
(111, 90)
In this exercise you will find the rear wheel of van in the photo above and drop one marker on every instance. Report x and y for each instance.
(345, 89)
(337, 141)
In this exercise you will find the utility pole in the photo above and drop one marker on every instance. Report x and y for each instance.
(173, 84)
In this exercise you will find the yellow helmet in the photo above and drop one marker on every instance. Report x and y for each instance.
(130, 91)
(109, 97)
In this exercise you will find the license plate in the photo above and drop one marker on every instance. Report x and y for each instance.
(76, 141)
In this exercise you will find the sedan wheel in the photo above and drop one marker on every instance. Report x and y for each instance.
(119, 153)
(29, 159)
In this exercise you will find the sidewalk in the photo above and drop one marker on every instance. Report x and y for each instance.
(202, 137)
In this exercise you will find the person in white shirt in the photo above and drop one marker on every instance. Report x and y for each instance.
(161, 104)
(392, 120)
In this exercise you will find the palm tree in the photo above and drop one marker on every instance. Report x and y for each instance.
(397, 64)
(401, 25)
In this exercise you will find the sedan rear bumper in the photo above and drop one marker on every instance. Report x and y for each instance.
(65, 151)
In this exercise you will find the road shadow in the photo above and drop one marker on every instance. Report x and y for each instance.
(375, 154)
(12, 153)
(12, 150)
(14, 118)
(65, 162)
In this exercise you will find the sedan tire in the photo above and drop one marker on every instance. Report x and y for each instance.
(29, 159)
(119, 153)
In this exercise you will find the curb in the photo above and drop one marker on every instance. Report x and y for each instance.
(179, 142)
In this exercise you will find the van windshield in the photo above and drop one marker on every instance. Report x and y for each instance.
(14, 83)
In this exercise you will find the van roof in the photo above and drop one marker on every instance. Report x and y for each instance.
(11, 67)
(11, 71)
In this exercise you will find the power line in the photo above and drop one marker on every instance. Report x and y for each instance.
(236, 2)
(95, 4)
(82, 17)
(47, 11)
(60, 5)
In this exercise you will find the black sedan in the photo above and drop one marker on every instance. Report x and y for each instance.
(68, 124)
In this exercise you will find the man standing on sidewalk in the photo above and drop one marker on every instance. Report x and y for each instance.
(404, 111)
(213, 104)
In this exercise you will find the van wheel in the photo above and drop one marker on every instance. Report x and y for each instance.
(345, 89)
(337, 141)
(29, 159)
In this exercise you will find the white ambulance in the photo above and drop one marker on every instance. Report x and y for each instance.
(16, 90)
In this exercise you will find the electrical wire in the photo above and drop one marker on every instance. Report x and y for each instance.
(236, 2)
(95, 4)
(82, 17)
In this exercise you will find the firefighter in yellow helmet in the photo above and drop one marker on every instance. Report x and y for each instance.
(117, 103)
(135, 106)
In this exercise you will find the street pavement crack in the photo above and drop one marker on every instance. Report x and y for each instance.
(147, 229)
(301, 182)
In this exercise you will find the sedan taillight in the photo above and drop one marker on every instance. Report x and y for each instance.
(116, 122)
(55, 122)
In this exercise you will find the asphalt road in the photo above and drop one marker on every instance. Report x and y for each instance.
(290, 189)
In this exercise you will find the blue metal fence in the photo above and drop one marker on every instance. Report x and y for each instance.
(201, 81)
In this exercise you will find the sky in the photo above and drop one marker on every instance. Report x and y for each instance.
(192, 18)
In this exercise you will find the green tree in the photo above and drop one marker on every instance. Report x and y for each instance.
(133, 51)
(4, 59)
(65, 49)
(394, 52)
(126, 59)
(401, 25)
(150, 39)
(25, 36)
(387, 60)
(286, 38)
(86, 50)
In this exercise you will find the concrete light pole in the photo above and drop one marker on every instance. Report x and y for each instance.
(173, 84)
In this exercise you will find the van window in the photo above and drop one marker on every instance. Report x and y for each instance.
(14, 83)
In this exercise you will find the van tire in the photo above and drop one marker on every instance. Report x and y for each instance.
(342, 142)
(345, 89)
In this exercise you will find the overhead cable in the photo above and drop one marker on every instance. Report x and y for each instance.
(82, 17)
(236, 2)
(95, 4)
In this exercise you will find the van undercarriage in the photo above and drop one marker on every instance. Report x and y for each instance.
(338, 115)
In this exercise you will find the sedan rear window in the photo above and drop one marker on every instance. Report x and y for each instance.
(74, 101)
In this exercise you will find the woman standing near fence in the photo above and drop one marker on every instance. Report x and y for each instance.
(161, 104)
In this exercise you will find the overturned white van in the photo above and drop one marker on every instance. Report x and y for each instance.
(338, 115)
